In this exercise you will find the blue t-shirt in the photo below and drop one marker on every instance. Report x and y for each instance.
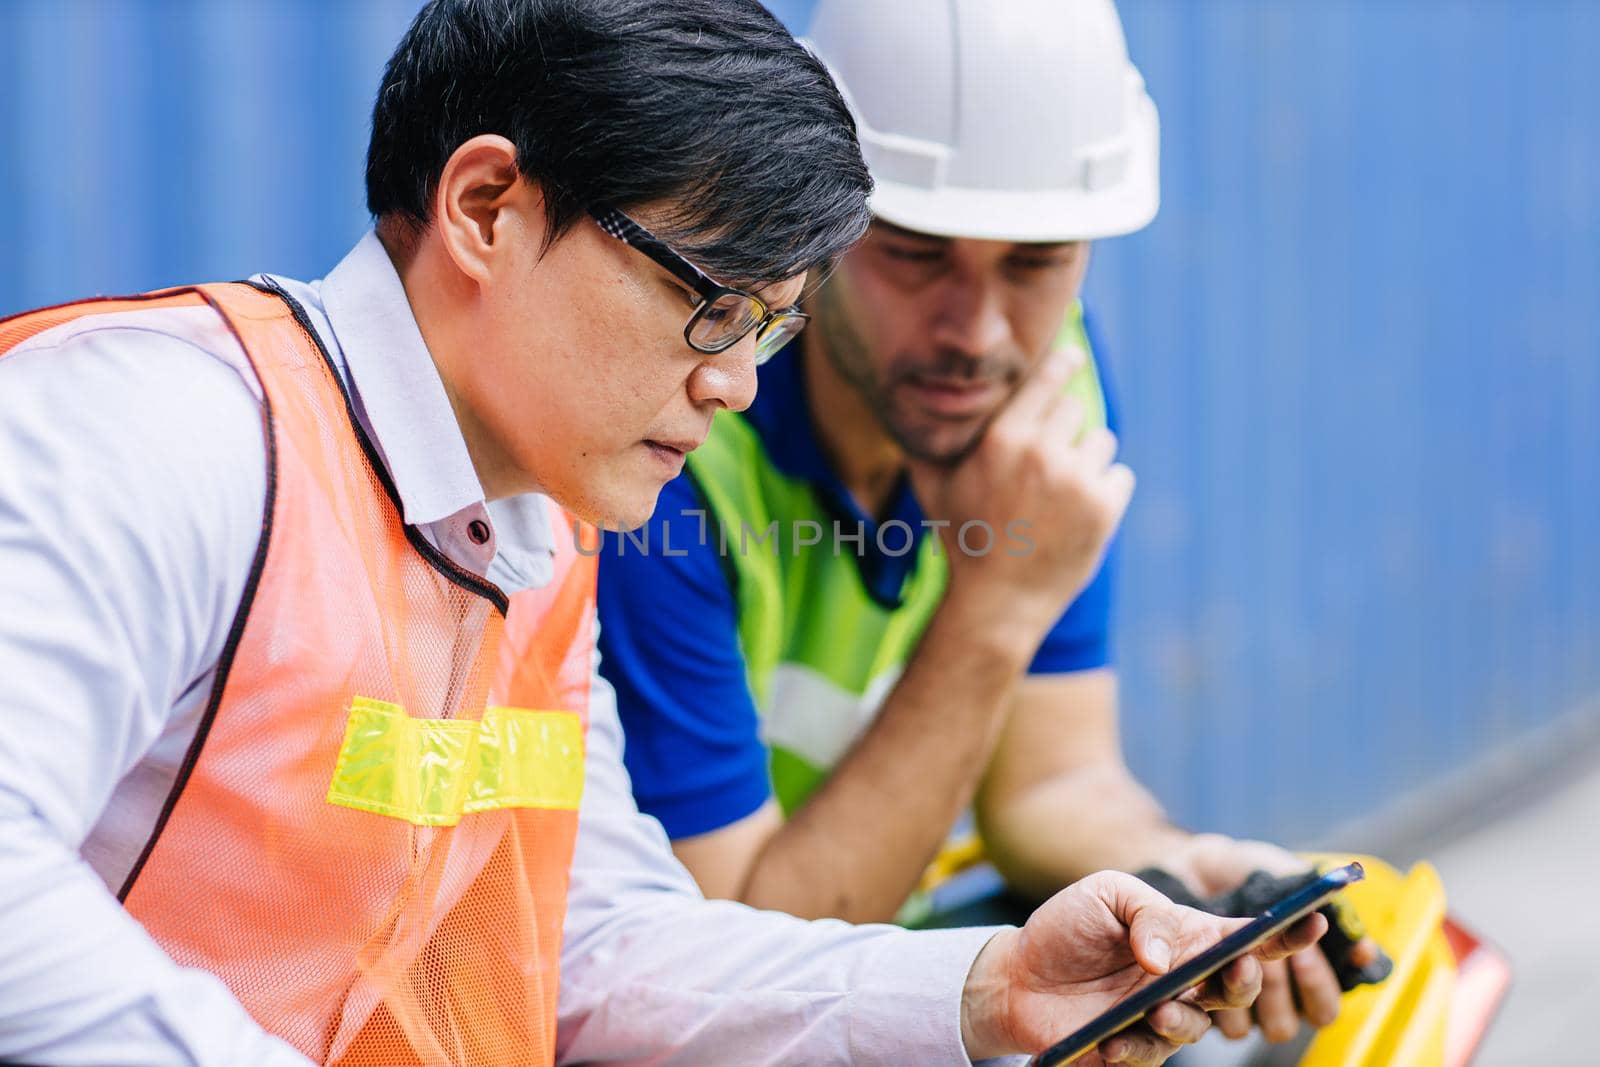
(669, 626)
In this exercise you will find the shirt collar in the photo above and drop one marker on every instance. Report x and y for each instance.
(400, 388)
(781, 417)
(402, 400)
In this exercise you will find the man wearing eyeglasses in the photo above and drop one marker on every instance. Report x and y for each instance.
(879, 595)
(297, 597)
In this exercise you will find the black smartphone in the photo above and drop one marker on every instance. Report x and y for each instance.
(1277, 918)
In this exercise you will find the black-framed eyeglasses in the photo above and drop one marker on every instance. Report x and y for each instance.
(724, 315)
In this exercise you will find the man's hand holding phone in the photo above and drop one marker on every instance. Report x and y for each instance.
(1091, 946)
(1306, 986)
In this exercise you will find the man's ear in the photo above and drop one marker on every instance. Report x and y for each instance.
(483, 208)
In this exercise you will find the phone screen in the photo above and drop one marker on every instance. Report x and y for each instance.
(1277, 918)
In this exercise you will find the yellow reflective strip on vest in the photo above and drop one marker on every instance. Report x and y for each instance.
(430, 772)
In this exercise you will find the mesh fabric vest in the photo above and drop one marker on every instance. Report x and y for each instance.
(369, 838)
(821, 653)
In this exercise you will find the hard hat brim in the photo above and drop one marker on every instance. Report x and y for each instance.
(1035, 215)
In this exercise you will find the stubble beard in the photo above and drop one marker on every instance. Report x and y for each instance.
(847, 353)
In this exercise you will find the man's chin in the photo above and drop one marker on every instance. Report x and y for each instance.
(617, 508)
(629, 510)
(943, 443)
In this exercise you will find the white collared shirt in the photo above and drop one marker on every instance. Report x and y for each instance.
(132, 482)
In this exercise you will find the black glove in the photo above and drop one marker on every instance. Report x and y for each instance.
(1257, 892)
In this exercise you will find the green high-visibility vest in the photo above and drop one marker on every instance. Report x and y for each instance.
(820, 652)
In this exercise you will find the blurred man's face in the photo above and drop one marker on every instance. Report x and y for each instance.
(936, 333)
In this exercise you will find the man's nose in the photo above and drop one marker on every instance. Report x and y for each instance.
(728, 378)
(971, 318)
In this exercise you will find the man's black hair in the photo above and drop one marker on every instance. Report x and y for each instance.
(708, 109)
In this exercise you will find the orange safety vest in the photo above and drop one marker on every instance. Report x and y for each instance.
(369, 838)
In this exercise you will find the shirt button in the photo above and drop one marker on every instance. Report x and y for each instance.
(478, 530)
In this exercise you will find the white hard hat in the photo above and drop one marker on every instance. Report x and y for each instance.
(1012, 120)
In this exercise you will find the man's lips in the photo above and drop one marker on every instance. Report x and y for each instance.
(682, 446)
(953, 397)
(672, 453)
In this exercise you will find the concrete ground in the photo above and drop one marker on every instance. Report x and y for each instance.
(1516, 840)
(1521, 865)
(1529, 880)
